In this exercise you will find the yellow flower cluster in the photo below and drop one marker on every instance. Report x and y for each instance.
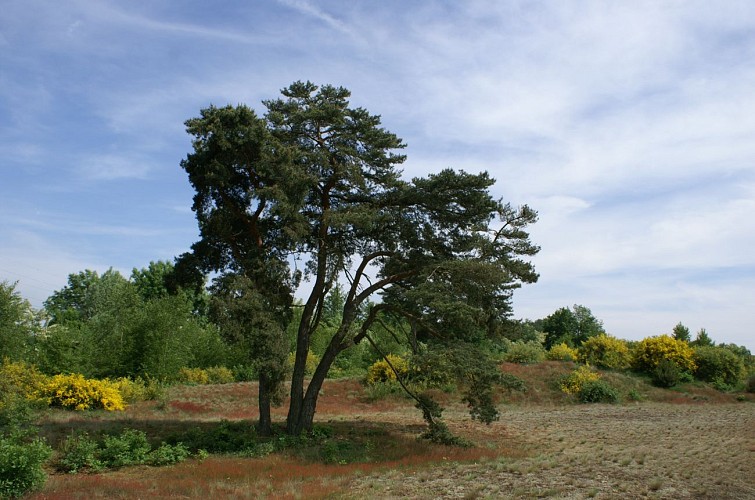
(199, 376)
(78, 393)
(381, 371)
(20, 378)
(649, 353)
(573, 383)
(605, 351)
(561, 352)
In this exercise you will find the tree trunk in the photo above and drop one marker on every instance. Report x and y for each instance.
(265, 424)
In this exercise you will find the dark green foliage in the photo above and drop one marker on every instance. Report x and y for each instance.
(681, 332)
(666, 374)
(17, 323)
(21, 465)
(437, 431)
(751, 383)
(167, 454)
(103, 327)
(128, 448)
(570, 326)
(720, 366)
(598, 391)
(80, 452)
(702, 339)
(225, 437)
(317, 182)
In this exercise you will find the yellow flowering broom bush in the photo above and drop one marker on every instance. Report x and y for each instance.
(561, 352)
(75, 392)
(605, 351)
(20, 378)
(652, 351)
(381, 371)
(573, 383)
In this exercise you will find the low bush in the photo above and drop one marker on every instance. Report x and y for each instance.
(196, 376)
(128, 448)
(598, 391)
(75, 392)
(21, 465)
(80, 452)
(525, 353)
(573, 383)
(666, 374)
(719, 366)
(605, 351)
(20, 378)
(219, 375)
(381, 370)
(167, 454)
(561, 352)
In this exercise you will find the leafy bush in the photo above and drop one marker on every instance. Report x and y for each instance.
(573, 383)
(138, 389)
(219, 375)
(129, 448)
(381, 370)
(79, 452)
(20, 378)
(21, 465)
(598, 391)
(719, 366)
(751, 383)
(525, 353)
(167, 454)
(666, 374)
(605, 351)
(649, 353)
(561, 352)
(244, 373)
(195, 376)
(79, 393)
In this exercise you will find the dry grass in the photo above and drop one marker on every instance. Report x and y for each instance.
(693, 443)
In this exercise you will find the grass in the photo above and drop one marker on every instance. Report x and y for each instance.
(686, 443)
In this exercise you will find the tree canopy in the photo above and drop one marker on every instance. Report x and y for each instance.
(310, 195)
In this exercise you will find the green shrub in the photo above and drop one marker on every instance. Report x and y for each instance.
(561, 352)
(244, 373)
(21, 465)
(666, 374)
(751, 383)
(167, 454)
(598, 391)
(525, 353)
(79, 452)
(719, 366)
(129, 448)
(653, 351)
(605, 351)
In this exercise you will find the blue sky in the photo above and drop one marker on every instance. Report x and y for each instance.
(629, 126)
